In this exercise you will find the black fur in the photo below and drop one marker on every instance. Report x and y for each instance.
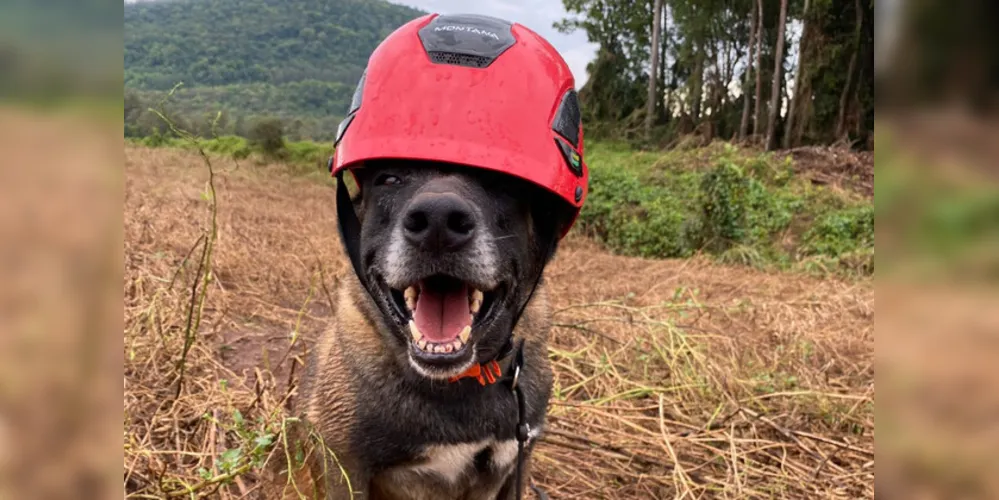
(526, 222)
(398, 411)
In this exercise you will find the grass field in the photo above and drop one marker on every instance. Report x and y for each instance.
(675, 378)
(810, 209)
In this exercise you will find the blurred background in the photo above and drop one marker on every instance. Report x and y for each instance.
(60, 248)
(934, 65)
(937, 175)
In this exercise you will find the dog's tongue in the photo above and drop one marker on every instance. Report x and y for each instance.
(442, 314)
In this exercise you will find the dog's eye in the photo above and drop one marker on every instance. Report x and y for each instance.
(387, 180)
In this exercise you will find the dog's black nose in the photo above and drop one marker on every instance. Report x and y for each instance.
(439, 222)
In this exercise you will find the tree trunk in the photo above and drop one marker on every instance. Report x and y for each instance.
(844, 99)
(664, 111)
(697, 87)
(759, 66)
(650, 104)
(744, 123)
(712, 63)
(775, 92)
(796, 98)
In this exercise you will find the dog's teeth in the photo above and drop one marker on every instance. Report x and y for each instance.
(448, 347)
(414, 331)
(439, 349)
(457, 344)
(465, 334)
(422, 344)
(475, 301)
(411, 295)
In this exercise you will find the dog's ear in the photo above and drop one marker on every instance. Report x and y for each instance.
(354, 179)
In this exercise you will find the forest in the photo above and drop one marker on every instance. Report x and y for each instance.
(777, 73)
(295, 60)
(780, 73)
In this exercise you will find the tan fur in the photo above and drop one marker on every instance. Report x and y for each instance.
(326, 402)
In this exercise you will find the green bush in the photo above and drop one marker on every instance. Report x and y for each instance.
(633, 216)
(228, 145)
(268, 136)
(723, 206)
(840, 232)
(746, 209)
(307, 153)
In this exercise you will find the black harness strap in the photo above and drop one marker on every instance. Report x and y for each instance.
(523, 430)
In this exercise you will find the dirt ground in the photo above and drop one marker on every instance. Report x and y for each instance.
(673, 377)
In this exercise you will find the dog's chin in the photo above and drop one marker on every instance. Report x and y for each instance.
(445, 318)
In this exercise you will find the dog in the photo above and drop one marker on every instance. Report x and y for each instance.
(403, 397)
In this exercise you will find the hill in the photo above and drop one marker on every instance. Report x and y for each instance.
(295, 59)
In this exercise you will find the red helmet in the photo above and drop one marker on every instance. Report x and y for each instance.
(469, 90)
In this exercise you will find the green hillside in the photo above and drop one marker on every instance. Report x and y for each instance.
(294, 59)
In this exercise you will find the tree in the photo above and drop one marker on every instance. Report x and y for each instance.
(777, 77)
(697, 59)
(850, 73)
(650, 105)
(796, 98)
(249, 58)
(744, 123)
(759, 66)
(268, 135)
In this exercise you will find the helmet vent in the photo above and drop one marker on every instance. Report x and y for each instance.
(568, 118)
(456, 59)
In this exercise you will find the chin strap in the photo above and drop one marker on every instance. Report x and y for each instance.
(350, 232)
(349, 226)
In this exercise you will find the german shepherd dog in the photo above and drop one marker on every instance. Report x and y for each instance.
(399, 391)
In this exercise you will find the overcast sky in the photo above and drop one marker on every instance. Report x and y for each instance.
(538, 15)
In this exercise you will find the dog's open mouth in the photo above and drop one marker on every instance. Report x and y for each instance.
(443, 311)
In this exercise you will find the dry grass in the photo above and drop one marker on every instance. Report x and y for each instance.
(674, 379)
(836, 166)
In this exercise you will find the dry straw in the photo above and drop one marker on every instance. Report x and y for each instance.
(674, 379)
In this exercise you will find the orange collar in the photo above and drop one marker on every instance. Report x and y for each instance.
(490, 372)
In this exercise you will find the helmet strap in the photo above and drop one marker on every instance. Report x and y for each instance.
(350, 231)
(508, 346)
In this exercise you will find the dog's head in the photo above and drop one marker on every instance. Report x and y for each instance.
(451, 255)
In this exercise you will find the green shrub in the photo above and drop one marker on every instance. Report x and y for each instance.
(723, 205)
(308, 154)
(633, 216)
(268, 136)
(228, 145)
(840, 232)
(746, 209)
